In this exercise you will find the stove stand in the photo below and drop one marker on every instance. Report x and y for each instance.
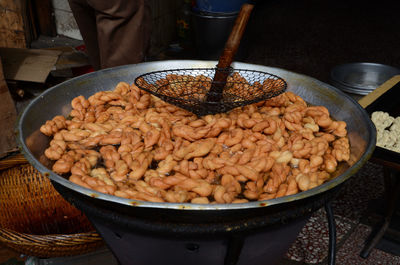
(147, 236)
(264, 247)
(392, 191)
(332, 233)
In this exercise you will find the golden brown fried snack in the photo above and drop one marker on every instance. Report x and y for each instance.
(130, 144)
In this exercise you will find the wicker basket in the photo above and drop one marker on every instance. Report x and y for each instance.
(35, 220)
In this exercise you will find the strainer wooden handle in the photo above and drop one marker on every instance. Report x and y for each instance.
(230, 49)
(232, 44)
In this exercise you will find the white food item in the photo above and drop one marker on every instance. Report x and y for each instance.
(385, 138)
(396, 125)
(381, 119)
(388, 130)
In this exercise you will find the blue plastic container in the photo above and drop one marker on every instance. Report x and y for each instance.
(219, 6)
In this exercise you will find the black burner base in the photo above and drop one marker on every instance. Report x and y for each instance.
(265, 247)
(147, 236)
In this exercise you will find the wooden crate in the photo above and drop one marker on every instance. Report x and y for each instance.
(17, 23)
(8, 118)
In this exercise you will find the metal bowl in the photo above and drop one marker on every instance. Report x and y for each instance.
(186, 233)
(56, 101)
(361, 78)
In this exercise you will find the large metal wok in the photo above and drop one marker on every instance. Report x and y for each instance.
(184, 220)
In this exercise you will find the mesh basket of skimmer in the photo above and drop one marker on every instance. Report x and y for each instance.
(214, 90)
(203, 91)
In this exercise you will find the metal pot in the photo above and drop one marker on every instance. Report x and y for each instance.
(210, 32)
(361, 78)
(186, 222)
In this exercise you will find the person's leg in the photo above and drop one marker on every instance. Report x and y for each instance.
(86, 20)
(123, 29)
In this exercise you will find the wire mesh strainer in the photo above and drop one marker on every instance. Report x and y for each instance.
(191, 89)
(214, 90)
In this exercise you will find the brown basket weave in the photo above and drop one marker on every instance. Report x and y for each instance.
(35, 220)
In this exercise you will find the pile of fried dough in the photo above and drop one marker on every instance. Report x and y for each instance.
(131, 144)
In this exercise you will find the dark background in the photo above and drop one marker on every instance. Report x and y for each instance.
(312, 36)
